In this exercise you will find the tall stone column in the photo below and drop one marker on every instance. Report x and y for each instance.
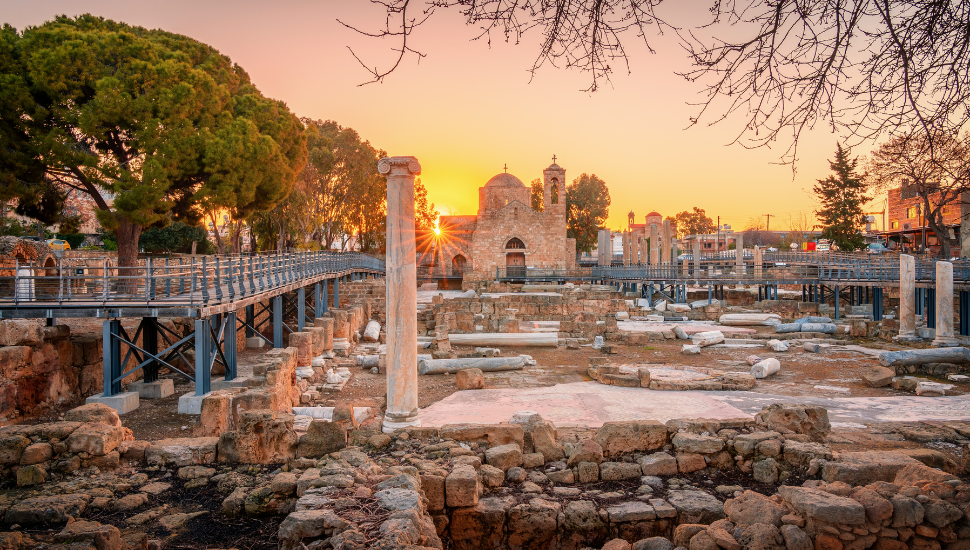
(696, 257)
(626, 248)
(654, 245)
(667, 240)
(603, 248)
(907, 298)
(644, 255)
(402, 300)
(758, 262)
(944, 306)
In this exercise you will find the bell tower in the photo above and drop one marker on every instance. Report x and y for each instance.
(554, 189)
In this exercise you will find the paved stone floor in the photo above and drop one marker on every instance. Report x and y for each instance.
(591, 404)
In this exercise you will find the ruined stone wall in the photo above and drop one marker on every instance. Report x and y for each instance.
(45, 367)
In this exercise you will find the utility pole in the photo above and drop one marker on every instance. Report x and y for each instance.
(717, 236)
(768, 223)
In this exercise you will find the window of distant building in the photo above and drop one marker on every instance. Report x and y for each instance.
(893, 224)
(912, 212)
(946, 210)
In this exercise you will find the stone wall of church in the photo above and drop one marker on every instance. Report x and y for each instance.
(544, 235)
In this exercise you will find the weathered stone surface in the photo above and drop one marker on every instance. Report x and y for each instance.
(182, 451)
(95, 439)
(907, 512)
(695, 506)
(322, 438)
(94, 413)
(696, 443)
(913, 472)
(766, 471)
(37, 453)
(12, 449)
(261, 437)
(653, 543)
(752, 507)
(617, 544)
(617, 471)
(470, 379)
(544, 441)
(941, 513)
(434, 489)
(877, 508)
(618, 438)
(722, 538)
(582, 525)
(491, 434)
(104, 537)
(310, 523)
(481, 526)
(47, 510)
(631, 511)
(811, 420)
(795, 538)
(863, 468)
(461, 487)
(822, 506)
(533, 525)
(504, 456)
(878, 377)
(690, 462)
(35, 474)
(658, 464)
(686, 531)
(195, 472)
(587, 451)
(702, 541)
(760, 536)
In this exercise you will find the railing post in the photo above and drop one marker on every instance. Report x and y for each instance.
(229, 345)
(218, 278)
(111, 345)
(205, 287)
(203, 356)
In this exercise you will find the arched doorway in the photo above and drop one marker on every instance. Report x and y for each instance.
(515, 260)
(458, 265)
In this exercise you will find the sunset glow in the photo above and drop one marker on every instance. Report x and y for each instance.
(468, 109)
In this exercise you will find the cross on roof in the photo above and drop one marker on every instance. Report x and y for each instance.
(506, 168)
(554, 159)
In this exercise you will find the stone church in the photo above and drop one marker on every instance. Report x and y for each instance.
(507, 232)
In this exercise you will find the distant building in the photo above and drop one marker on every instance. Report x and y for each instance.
(506, 232)
(907, 220)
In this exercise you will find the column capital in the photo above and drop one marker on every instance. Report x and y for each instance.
(399, 165)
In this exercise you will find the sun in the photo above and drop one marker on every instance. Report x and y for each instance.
(437, 228)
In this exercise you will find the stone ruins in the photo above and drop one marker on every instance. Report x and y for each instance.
(737, 408)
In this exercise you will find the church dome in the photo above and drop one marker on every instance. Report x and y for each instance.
(553, 167)
(504, 180)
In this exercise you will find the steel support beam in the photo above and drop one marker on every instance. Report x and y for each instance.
(203, 357)
(277, 321)
(112, 357)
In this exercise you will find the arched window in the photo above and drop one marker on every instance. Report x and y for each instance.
(514, 243)
(554, 194)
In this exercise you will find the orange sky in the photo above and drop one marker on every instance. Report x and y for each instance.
(466, 109)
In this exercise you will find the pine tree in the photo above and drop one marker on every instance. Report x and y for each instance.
(842, 196)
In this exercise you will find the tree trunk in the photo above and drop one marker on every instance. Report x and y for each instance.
(215, 232)
(942, 233)
(127, 235)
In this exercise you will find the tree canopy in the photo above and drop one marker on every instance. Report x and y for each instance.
(536, 189)
(842, 196)
(587, 207)
(695, 222)
(154, 126)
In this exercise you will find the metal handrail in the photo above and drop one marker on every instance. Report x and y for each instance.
(199, 280)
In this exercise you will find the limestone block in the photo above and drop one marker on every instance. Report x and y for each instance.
(21, 332)
(878, 377)
(182, 451)
(695, 443)
(372, 332)
(303, 342)
(261, 437)
(322, 438)
(821, 506)
(95, 439)
(658, 464)
(811, 420)
(461, 487)
(504, 456)
(618, 471)
(470, 379)
(618, 438)
(326, 323)
(94, 412)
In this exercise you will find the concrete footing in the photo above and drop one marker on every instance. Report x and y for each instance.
(159, 389)
(255, 342)
(122, 402)
(191, 403)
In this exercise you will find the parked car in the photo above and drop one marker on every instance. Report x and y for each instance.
(58, 244)
(876, 248)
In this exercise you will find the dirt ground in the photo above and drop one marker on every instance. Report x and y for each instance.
(828, 374)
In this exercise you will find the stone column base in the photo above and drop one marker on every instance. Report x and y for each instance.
(907, 338)
(160, 389)
(946, 342)
(394, 425)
